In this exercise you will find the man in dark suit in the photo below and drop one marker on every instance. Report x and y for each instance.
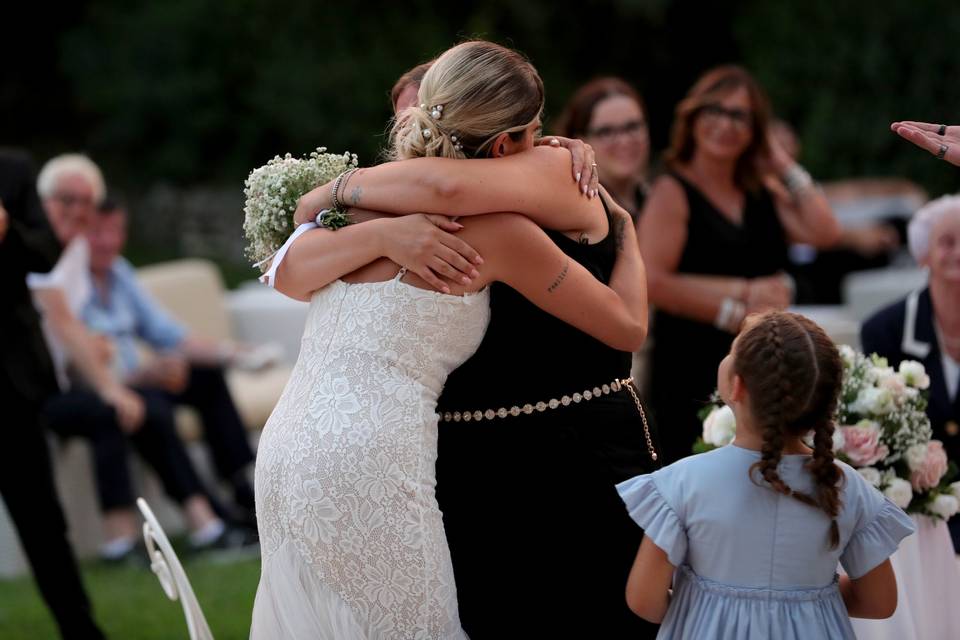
(905, 331)
(26, 380)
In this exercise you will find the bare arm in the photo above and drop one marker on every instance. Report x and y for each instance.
(535, 183)
(85, 355)
(629, 276)
(663, 235)
(423, 244)
(523, 256)
(648, 586)
(873, 595)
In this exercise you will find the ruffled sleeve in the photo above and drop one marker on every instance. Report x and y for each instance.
(878, 537)
(649, 509)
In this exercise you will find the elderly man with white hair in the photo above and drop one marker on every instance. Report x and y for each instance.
(96, 404)
(925, 326)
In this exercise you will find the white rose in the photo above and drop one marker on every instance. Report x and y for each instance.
(871, 475)
(720, 427)
(873, 400)
(848, 354)
(916, 455)
(900, 492)
(945, 506)
(914, 374)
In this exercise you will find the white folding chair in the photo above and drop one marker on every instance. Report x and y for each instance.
(173, 579)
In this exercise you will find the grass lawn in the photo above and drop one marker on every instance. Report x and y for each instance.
(129, 602)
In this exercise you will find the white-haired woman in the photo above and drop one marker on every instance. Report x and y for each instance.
(925, 326)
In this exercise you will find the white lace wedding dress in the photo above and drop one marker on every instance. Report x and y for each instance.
(352, 539)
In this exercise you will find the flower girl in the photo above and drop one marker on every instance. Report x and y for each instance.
(750, 534)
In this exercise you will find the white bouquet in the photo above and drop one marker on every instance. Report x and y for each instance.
(883, 431)
(272, 191)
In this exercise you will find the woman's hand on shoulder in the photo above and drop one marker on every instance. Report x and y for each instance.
(584, 162)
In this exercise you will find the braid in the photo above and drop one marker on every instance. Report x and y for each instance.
(788, 402)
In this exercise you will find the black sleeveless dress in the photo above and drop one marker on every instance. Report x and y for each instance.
(540, 540)
(686, 352)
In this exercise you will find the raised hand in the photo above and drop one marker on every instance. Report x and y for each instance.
(585, 170)
(425, 244)
(945, 145)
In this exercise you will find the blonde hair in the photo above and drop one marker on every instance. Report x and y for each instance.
(71, 164)
(483, 90)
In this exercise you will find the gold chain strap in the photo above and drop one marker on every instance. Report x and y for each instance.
(628, 383)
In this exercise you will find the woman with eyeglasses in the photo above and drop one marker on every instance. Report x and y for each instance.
(715, 241)
(610, 115)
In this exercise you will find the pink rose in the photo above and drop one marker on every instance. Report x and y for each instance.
(932, 469)
(861, 444)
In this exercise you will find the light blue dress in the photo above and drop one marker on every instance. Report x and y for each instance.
(753, 563)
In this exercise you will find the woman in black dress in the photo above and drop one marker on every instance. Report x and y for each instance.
(715, 241)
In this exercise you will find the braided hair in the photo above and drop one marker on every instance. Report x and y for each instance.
(793, 373)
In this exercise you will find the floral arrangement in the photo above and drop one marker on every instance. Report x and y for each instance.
(883, 431)
(272, 192)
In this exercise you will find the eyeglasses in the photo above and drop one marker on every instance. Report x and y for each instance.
(741, 118)
(609, 133)
(70, 199)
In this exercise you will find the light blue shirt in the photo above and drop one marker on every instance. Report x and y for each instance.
(125, 313)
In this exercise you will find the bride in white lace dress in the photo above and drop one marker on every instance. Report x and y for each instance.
(352, 539)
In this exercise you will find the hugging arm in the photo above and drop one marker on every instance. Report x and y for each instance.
(535, 183)
(423, 244)
(527, 260)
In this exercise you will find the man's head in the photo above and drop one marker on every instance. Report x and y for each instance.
(107, 235)
(71, 187)
(404, 92)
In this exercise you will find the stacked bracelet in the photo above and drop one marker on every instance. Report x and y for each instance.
(730, 315)
(797, 179)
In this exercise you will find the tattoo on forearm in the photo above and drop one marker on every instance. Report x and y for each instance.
(355, 196)
(619, 229)
(560, 278)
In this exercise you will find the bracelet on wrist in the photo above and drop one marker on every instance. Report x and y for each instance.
(730, 315)
(797, 179)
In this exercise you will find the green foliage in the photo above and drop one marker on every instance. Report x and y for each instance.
(841, 72)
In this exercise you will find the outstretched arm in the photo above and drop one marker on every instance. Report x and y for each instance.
(535, 183)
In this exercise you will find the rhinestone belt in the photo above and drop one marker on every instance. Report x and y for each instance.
(554, 403)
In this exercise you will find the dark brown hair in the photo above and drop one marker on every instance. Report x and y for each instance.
(413, 76)
(793, 372)
(574, 121)
(713, 86)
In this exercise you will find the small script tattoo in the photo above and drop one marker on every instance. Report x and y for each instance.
(355, 196)
(560, 278)
(619, 224)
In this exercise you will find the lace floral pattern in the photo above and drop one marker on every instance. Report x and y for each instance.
(345, 467)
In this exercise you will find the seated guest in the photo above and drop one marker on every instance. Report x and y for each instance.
(95, 405)
(186, 370)
(925, 326)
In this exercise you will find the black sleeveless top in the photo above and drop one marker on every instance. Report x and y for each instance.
(686, 352)
(527, 355)
(521, 491)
